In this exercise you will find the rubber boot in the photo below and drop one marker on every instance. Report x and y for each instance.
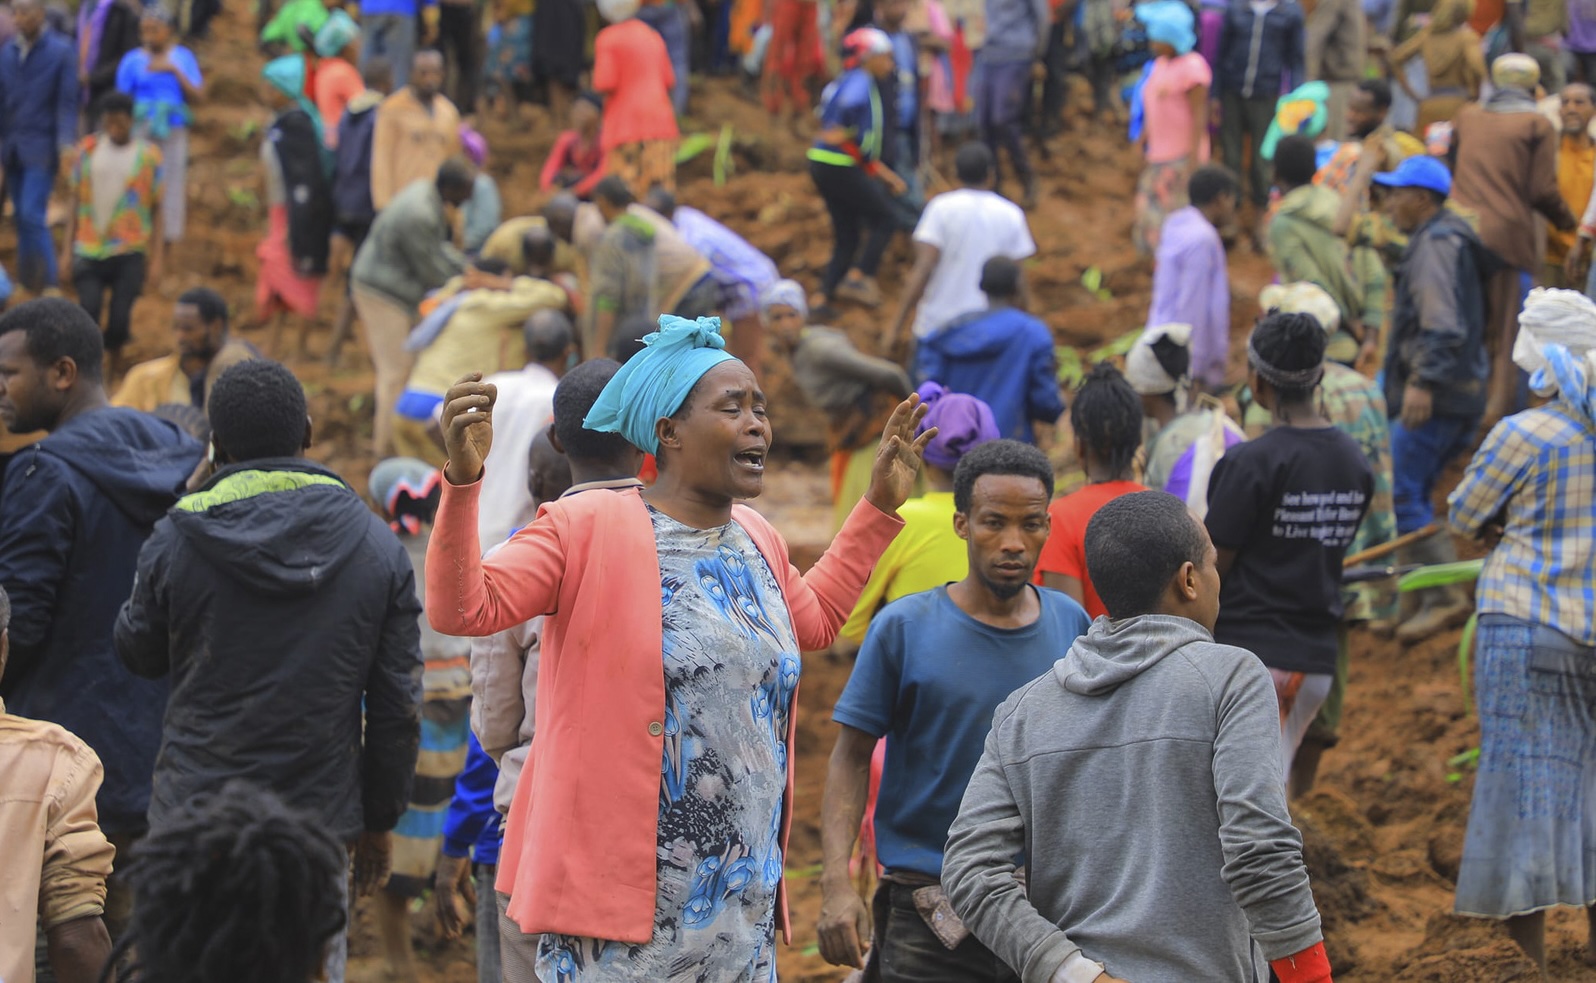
(1443, 607)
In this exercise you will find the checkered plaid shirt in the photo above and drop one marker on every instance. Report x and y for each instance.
(1536, 475)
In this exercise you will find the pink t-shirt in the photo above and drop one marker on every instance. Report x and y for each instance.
(1167, 116)
(337, 82)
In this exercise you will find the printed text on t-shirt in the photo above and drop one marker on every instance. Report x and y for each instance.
(1331, 517)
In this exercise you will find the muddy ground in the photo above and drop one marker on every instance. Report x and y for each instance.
(1384, 830)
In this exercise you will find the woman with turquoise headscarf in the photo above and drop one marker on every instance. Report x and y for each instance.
(647, 837)
(164, 79)
(1174, 109)
(1528, 495)
(299, 212)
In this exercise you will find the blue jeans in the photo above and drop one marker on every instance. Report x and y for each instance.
(30, 197)
(999, 109)
(670, 21)
(1417, 458)
(393, 36)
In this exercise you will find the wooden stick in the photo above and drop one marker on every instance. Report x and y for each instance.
(1386, 549)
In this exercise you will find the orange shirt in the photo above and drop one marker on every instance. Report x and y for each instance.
(632, 70)
(1065, 552)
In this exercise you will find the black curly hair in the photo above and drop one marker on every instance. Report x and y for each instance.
(233, 886)
(1289, 343)
(1107, 417)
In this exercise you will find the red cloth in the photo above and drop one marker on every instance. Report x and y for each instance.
(1065, 552)
(278, 287)
(962, 61)
(1311, 965)
(632, 69)
(567, 152)
(794, 55)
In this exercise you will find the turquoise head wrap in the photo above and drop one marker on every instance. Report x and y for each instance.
(287, 75)
(1170, 22)
(654, 383)
(1304, 110)
(335, 35)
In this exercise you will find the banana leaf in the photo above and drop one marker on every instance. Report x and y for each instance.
(692, 145)
(1116, 348)
(724, 165)
(1465, 650)
(1442, 575)
(1071, 370)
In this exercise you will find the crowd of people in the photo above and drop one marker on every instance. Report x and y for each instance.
(242, 688)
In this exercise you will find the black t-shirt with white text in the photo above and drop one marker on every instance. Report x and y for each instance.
(1288, 503)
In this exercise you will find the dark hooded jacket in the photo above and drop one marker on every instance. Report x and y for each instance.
(1003, 357)
(278, 604)
(1438, 318)
(75, 509)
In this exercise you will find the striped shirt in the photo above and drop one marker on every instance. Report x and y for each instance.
(1536, 475)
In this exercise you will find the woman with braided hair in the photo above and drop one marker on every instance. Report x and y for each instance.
(1107, 420)
(1282, 509)
(234, 886)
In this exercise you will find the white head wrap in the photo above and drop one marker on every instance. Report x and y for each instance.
(1554, 319)
(1142, 370)
(1302, 298)
(616, 11)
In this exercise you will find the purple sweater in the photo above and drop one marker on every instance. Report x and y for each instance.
(1192, 286)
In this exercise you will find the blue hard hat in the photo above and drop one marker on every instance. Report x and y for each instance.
(1419, 171)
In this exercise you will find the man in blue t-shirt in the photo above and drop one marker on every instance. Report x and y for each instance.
(933, 669)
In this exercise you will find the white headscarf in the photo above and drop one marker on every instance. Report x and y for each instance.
(1302, 298)
(1557, 346)
(1142, 369)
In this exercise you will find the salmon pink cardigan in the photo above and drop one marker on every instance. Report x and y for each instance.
(580, 846)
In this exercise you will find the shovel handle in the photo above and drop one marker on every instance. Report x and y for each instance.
(1386, 549)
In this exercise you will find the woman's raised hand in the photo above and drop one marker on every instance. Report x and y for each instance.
(468, 427)
(898, 459)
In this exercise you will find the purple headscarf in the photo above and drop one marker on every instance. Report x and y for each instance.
(963, 423)
(474, 144)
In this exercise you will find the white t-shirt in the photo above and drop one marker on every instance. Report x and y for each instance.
(969, 227)
(525, 406)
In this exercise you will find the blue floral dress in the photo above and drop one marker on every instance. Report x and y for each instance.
(731, 667)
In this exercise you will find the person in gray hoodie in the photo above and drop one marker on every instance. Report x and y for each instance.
(1141, 776)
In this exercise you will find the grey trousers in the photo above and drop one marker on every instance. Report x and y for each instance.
(518, 952)
(488, 970)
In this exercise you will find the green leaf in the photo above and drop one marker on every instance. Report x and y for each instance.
(692, 145)
(243, 197)
(1465, 649)
(724, 165)
(1442, 575)
(1070, 368)
(1468, 759)
(813, 870)
(1092, 279)
(1454, 777)
(357, 402)
(812, 949)
(1116, 348)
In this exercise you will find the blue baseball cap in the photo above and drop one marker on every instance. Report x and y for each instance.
(1419, 171)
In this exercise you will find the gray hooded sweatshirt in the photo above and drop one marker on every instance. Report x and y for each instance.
(1141, 779)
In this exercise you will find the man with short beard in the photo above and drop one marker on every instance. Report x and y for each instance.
(417, 129)
(933, 669)
(202, 351)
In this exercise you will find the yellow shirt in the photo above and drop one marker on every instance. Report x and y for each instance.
(1576, 168)
(484, 335)
(162, 380)
(927, 553)
(55, 859)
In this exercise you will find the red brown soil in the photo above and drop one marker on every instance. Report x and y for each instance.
(1384, 829)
